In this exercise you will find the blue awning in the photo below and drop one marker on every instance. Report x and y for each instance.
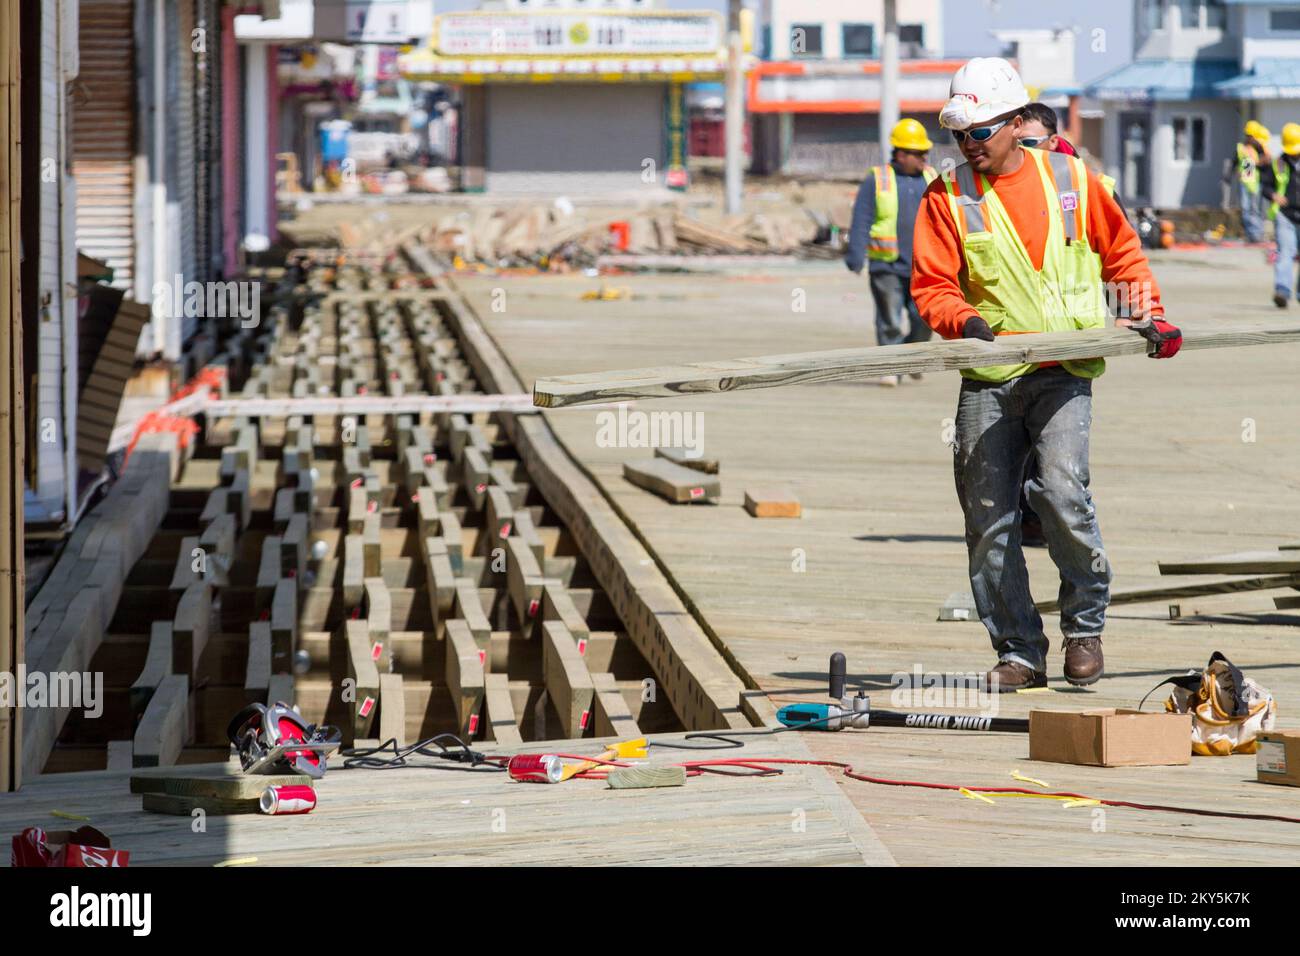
(1269, 79)
(1163, 80)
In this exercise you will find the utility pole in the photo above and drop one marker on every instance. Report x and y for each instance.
(735, 119)
(888, 76)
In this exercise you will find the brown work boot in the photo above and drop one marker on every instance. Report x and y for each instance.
(1084, 663)
(1010, 676)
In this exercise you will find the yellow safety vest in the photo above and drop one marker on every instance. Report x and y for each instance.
(999, 280)
(1282, 173)
(882, 245)
(1108, 183)
(1248, 167)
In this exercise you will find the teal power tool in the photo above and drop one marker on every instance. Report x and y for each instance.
(856, 712)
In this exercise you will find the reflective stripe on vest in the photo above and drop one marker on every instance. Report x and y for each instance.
(1000, 281)
(882, 244)
(1248, 167)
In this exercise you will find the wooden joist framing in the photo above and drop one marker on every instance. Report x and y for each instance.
(440, 578)
(557, 605)
(284, 625)
(379, 620)
(804, 368)
(469, 610)
(705, 694)
(157, 667)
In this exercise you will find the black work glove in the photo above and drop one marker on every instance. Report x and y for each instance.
(977, 328)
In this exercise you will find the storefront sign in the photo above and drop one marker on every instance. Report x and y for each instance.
(576, 34)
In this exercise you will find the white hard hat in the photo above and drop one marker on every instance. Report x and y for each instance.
(984, 88)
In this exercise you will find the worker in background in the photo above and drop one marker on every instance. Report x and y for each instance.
(883, 216)
(1252, 157)
(1017, 241)
(1280, 187)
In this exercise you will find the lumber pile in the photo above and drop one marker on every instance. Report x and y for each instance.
(559, 237)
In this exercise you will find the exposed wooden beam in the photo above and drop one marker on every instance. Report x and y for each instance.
(806, 368)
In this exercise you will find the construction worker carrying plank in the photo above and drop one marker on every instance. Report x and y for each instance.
(883, 216)
(1020, 240)
(1280, 187)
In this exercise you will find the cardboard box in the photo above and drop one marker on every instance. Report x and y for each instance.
(1110, 737)
(1277, 757)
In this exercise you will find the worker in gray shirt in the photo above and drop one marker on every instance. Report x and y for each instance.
(883, 216)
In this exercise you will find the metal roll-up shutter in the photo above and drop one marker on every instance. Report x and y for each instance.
(207, 112)
(103, 136)
(181, 184)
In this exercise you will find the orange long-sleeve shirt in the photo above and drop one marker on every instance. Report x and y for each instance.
(938, 259)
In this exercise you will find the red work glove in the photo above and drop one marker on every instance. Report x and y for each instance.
(1163, 340)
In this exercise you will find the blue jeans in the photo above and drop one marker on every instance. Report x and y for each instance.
(1284, 268)
(999, 424)
(1252, 220)
(893, 294)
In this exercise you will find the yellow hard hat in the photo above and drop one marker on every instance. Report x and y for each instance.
(1291, 139)
(910, 134)
(1257, 130)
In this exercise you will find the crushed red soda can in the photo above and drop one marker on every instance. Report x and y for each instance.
(535, 768)
(295, 798)
(83, 847)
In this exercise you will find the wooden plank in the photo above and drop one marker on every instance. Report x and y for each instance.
(167, 725)
(364, 675)
(185, 573)
(502, 724)
(469, 609)
(157, 666)
(764, 502)
(464, 677)
(805, 368)
(610, 710)
(379, 619)
(500, 518)
(678, 456)
(120, 755)
(371, 547)
(1246, 562)
(440, 577)
(557, 605)
(475, 477)
(354, 570)
(190, 629)
(672, 482)
(527, 532)
(1231, 586)
(281, 690)
(392, 709)
(284, 625)
(257, 671)
(568, 681)
(641, 778)
(524, 580)
(185, 806)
